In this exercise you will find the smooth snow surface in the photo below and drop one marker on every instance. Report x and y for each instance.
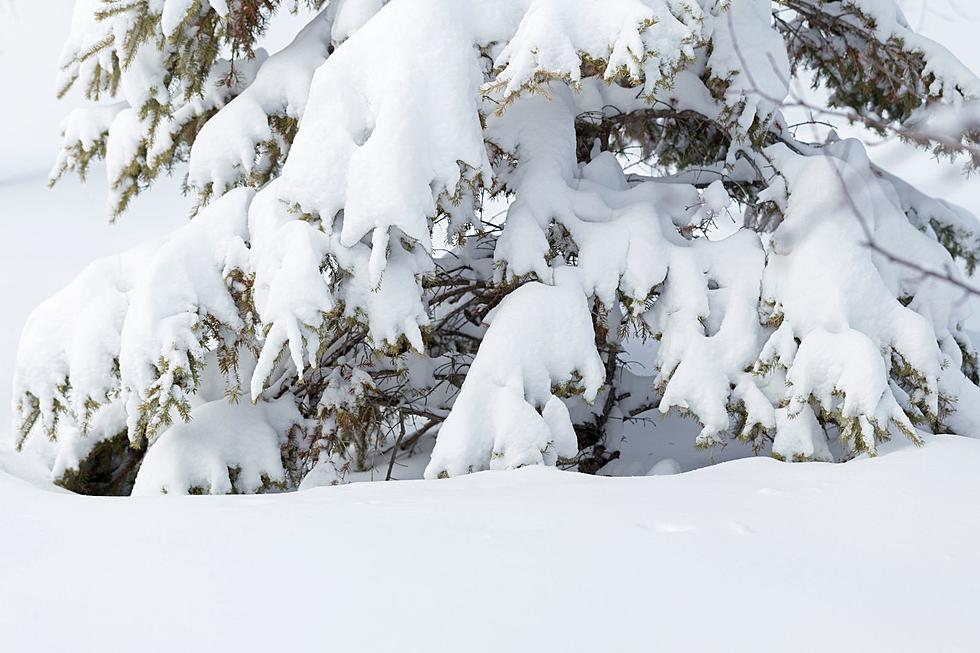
(752, 555)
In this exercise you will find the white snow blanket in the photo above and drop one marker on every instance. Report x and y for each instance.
(754, 555)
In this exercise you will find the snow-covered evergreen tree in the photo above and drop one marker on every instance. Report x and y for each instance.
(416, 236)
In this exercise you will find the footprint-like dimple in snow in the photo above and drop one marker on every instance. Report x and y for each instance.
(740, 529)
(667, 527)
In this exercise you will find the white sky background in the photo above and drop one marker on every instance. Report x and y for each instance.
(47, 236)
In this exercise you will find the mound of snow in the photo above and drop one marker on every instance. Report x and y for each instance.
(225, 448)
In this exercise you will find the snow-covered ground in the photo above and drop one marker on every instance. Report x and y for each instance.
(752, 555)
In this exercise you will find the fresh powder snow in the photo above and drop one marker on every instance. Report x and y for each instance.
(470, 241)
